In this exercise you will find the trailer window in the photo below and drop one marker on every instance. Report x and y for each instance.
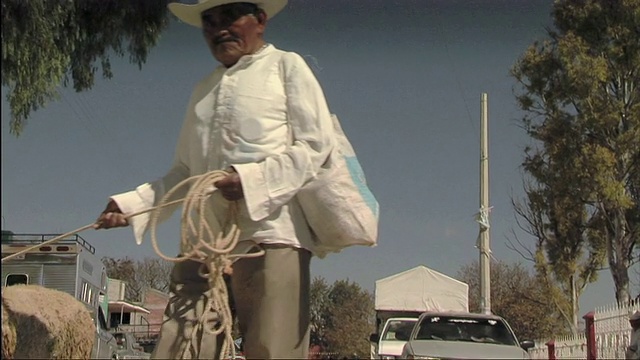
(15, 279)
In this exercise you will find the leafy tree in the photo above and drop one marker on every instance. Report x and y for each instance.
(320, 310)
(516, 295)
(123, 269)
(562, 241)
(350, 320)
(139, 274)
(48, 43)
(580, 90)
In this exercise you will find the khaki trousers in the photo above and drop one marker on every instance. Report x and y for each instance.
(271, 295)
(188, 297)
(271, 298)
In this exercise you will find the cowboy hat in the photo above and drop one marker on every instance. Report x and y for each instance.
(190, 13)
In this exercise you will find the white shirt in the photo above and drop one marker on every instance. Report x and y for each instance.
(268, 118)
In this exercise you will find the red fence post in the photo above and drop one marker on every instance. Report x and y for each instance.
(590, 332)
(551, 348)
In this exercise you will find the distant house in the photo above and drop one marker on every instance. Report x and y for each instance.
(127, 315)
(155, 301)
(123, 314)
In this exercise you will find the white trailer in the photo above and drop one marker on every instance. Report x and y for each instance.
(401, 298)
(69, 265)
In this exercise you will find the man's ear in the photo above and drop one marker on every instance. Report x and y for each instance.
(262, 17)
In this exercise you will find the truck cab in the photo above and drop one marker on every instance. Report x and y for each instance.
(395, 333)
(128, 347)
(401, 298)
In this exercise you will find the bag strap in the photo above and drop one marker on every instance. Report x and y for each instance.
(283, 80)
(337, 128)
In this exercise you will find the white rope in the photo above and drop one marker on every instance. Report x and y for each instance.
(213, 251)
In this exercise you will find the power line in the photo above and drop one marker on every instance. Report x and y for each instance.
(454, 69)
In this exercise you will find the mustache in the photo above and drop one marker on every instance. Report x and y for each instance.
(226, 38)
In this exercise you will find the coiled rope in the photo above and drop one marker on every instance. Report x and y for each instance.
(212, 250)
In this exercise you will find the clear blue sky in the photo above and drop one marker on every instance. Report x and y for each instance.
(404, 76)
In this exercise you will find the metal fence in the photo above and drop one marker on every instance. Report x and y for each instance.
(540, 351)
(610, 338)
(571, 347)
(613, 331)
(564, 347)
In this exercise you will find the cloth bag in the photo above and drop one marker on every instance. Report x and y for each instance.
(338, 205)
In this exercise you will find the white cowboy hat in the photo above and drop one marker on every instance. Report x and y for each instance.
(190, 13)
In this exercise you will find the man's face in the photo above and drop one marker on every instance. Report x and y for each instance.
(233, 30)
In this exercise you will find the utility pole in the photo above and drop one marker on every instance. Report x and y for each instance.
(485, 252)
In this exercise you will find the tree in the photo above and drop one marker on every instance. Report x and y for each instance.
(47, 43)
(123, 269)
(139, 275)
(562, 241)
(580, 90)
(516, 295)
(342, 317)
(350, 319)
(320, 310)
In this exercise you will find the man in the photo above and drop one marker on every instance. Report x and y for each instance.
(261, 115)
(632, 351)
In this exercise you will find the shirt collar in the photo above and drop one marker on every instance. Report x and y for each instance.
(247, 59)
(261, 53)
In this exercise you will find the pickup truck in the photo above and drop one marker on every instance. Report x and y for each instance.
(128, 348)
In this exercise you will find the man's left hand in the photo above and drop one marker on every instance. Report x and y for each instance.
(230, 186)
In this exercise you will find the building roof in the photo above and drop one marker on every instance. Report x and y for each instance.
(124, 306)
(155, 291)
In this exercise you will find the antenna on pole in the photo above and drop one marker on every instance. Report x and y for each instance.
(484, 241)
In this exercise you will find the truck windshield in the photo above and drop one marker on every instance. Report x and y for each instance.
(121, 340)
(465, 329)
(399, 330)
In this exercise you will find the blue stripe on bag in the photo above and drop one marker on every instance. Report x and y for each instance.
(357, 175)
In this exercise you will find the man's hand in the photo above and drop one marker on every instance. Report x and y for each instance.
(111, 217)
(230, 186)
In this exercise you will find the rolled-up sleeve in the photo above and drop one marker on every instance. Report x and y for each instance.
(149, 195)
(273, 182)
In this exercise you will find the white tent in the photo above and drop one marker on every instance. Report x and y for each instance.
(421, 289)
